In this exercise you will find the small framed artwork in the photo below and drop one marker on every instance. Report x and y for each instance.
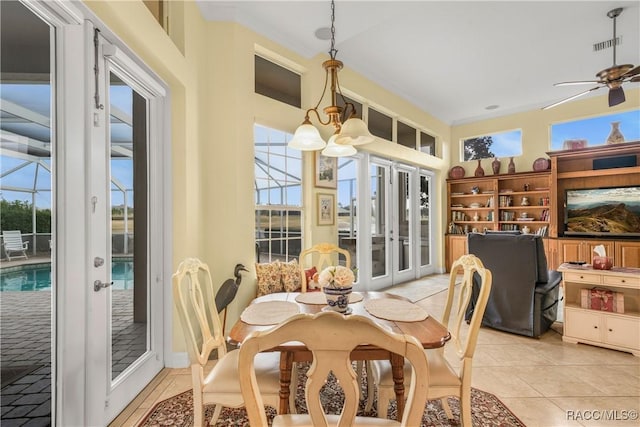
(326, 209)
(326, 171)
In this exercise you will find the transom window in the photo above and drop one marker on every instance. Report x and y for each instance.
(501, 144)
(594, 130)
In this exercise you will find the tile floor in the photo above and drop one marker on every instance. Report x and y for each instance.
(545, 382)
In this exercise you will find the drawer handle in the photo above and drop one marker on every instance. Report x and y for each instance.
(595, 327)
(610, 330)
(582, 277)
(622, 280)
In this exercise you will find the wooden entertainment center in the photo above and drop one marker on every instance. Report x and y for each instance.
(495, 202)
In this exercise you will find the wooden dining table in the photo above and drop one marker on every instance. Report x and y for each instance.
(430, 332)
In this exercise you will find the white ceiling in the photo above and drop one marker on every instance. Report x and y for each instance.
(453, 59)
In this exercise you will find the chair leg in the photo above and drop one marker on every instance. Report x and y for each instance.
(293, 388)
(465, 408)
(385, 395)
(447, 409)
(371, 388)
(214, 418)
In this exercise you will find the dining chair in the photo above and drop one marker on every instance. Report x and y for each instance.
(324, 255)
(331, 337)
(445, 380)
(193, 295)
(327, 255)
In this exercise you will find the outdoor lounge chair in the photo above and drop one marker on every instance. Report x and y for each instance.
(12, 242)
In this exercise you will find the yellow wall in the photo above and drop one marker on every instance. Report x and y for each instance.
(214, 107)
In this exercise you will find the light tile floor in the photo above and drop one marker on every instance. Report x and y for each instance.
(545, 382)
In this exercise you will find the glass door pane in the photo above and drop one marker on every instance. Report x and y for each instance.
(28, 287)
(425, 235)
(404, 215)
(379, 230)
(347, 202)
(128, 177)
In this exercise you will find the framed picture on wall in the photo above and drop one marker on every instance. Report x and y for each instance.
(326, 209)
(326, 171)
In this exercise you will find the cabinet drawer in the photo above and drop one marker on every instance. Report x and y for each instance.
(623, 332)
(583, 324)
(582, 277)
(624, 281)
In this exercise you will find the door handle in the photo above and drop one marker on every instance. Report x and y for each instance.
(97, 285)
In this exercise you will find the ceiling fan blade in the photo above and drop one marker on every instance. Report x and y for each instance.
(635, 79)
(632, 72)
(580, 82)
(571, 98)
(616, 96)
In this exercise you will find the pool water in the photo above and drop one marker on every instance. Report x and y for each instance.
(37, 277)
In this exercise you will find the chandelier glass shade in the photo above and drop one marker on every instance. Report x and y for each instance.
(352, 132)
(338, 150)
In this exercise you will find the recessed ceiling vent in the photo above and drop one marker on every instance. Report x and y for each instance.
(607, 44)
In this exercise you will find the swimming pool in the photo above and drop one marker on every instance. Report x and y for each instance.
(37, 277)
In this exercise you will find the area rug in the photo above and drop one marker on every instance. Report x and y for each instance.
(486, 410)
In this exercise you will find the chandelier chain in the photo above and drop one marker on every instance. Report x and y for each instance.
(333, 51)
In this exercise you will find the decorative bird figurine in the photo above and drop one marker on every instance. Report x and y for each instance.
(228, 291)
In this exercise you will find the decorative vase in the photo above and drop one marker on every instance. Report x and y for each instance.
(495, 165)
(479, 171)
(338, 298)
(512, 166)
(615, 137)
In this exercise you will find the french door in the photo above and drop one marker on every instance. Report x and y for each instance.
(399, 240)
(126, 293)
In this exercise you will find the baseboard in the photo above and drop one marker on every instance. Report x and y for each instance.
(176, 360)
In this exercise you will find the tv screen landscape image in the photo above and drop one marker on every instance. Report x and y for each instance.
(603, 211)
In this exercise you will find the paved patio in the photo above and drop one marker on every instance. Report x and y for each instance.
(25, 352)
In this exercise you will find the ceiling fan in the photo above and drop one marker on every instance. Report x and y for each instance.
(612, 77)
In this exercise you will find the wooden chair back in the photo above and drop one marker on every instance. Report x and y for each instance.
(468, 265)
(331, 337)
(194, 297)
(325, 255)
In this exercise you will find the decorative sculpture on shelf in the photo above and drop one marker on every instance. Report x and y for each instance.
(512, 166)
(479, 171)
(495, 165)
(615, 137)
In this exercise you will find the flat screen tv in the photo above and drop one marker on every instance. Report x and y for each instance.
(613, 211)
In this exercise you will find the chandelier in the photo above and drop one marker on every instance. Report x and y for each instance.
(352, 132)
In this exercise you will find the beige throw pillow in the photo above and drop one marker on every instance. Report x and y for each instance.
(269, 278)
(291, 279)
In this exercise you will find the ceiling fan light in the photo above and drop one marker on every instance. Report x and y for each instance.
(354, 132)
(616, 96)
(307, 138)
(336, 150)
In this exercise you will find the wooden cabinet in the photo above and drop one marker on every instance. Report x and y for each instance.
(620, 331)
(627, 254)
(581, 249)
(456, 247)
(519, 201)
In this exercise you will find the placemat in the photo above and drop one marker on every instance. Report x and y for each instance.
(396, 310)
(269, 312)
(320, 298)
